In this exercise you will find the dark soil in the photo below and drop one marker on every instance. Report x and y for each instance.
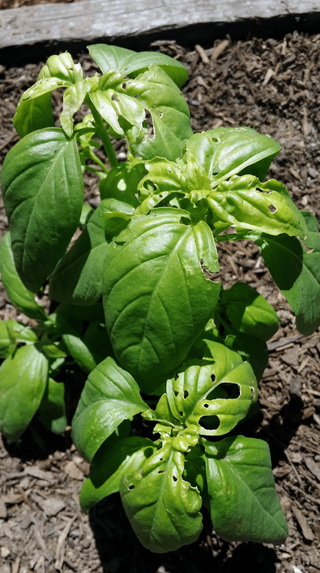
(272, 86)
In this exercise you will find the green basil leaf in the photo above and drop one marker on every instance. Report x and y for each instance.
(249, 312)
(52, 349)
(52, 411)
(243, 500)
(61, 67)
(110, 464)
(19, 295)
(195, 472)
(42, 188)
(110, 396)
(242, 150)
(295, 268)
(34, 108)
(86, 213)
(109, 57)
(97, 340)
(211, 396)
(33, 113)
(167, 176)
(73, 98)
(250, 348)
(23, 380)
(169, 113)
(163, 509)
(122, 183)
(202, 148)
(11, 334)
(132, 63)
(77, 279)
(239, 202)
(150, 323)
(153, 92)
(78, 349)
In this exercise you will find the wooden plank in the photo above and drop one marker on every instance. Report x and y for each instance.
(118, 21)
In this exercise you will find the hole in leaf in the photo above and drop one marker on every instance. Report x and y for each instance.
(124, 86)
(305, 246)
(207, 273)
(161, 460)
(185, 394)
(149, 184)
(160, 472)
(272, 208)
(160, 114)
(174, 478)
(176, 393)
(209, 422)
(114, 98)
(122, 186)
(206, 405)
(131, 487)
(253, 394)
(181, 414)
(213, 377)
(232, 391)
(148, 119)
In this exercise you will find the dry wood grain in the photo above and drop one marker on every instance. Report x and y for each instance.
(109, 20)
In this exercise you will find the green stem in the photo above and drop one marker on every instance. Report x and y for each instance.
(103, 134)
(91, 155)
(96, 171)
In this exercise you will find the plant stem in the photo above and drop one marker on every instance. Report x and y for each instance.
(91, 155)
(103, 133)
(100, 174)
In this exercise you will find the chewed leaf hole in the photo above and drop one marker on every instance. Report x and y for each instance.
(150, 185)
(148, 120)
(213, 377)
(253, 394)
(174, 478)
(207, 273)
(306, 248)
(160, 114)
(176, 393)
(161, 472)
(206, 405)
(131, 487)
(185, 394)
(114, 97)
(272, 208)
(232, 391)
(124, 86)
(209, 422)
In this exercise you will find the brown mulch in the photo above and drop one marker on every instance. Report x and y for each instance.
(272, 86)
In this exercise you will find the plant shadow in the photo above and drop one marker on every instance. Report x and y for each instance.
(121, 552)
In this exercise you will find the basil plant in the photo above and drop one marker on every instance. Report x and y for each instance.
(174, 346)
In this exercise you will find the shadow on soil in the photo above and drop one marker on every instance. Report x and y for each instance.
(121, 552)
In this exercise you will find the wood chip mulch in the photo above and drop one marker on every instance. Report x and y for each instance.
(274, 87)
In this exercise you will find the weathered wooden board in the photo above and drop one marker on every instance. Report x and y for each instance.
(135, 23)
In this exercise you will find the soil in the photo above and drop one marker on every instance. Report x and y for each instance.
(272, 86)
